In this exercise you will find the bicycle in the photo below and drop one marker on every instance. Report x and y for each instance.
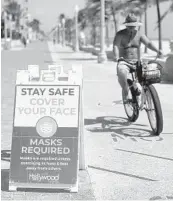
(142, 73)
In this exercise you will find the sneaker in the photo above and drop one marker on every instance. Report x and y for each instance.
(126, 99)
(138, 98)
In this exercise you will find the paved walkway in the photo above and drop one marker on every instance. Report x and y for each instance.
(125, 161)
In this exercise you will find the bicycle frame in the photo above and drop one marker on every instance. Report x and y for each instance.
(143, 96)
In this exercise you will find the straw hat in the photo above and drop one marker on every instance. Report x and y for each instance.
(131, 20)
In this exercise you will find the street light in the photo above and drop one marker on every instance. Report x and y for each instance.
(63, 31)
(5, 26)
(10, 26)
(59, 28)
(102, 55)
(76, 48)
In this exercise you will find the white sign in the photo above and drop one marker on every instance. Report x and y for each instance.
(34, 71)
(59, 102)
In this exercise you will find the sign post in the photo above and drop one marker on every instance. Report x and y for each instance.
(46, 135)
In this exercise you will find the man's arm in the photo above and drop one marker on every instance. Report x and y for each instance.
(149, 44)
(116, 44)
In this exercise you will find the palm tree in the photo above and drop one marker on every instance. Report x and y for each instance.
(35, 25)
(82, 18)
(13, 8)
(160, 18)
(159, 24)
(169, 10)
(88, 17)
(69, 29)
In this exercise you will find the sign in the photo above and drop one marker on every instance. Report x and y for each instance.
(34, 73)
(45, 139)
(56, 67)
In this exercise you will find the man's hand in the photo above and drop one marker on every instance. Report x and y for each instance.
(115, 58)
(115, 53)
(160, 54)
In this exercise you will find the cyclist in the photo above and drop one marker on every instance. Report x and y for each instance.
(126, 44)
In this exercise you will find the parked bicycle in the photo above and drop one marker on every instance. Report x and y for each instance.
(146, 74)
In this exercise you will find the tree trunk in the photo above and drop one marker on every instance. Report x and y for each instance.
(159, 24)
(107, 33)
(114, 20)
(94, 34)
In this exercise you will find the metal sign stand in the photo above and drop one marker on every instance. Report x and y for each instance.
(74, 77)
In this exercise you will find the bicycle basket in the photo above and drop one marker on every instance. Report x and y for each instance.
(152, 75)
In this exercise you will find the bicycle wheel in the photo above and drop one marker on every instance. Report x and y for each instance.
(153, 109)
(131, 105)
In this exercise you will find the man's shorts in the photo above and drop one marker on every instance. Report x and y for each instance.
(123, 70)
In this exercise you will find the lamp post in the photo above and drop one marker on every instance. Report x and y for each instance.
(76, 48)
(5, 27)
(146, 25)
(59, 27)
(63, 31)
(102, 55)
(56, 35)
(28, 29)
(10, 27)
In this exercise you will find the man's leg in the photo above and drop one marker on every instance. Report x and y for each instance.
(122, 72)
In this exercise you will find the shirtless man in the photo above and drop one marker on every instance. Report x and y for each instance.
(127, 45)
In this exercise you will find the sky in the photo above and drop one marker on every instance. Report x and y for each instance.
(47, 11)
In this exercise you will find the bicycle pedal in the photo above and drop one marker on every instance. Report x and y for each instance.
(127, 101)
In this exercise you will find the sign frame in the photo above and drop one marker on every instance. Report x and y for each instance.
(72, 188)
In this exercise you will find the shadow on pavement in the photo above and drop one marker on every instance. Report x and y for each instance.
(134, 134)
(78, 59)
(162, 198)
(108, 123)
(50, 62)
(59, 52)
(5, 155)
(66, 52)
(5, 179)
(166, 82)
(122, 173)
(41, 190)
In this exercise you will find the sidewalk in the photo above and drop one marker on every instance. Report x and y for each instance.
(16, 45)
(124, 160)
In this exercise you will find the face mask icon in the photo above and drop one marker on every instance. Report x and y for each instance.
(46, 127)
